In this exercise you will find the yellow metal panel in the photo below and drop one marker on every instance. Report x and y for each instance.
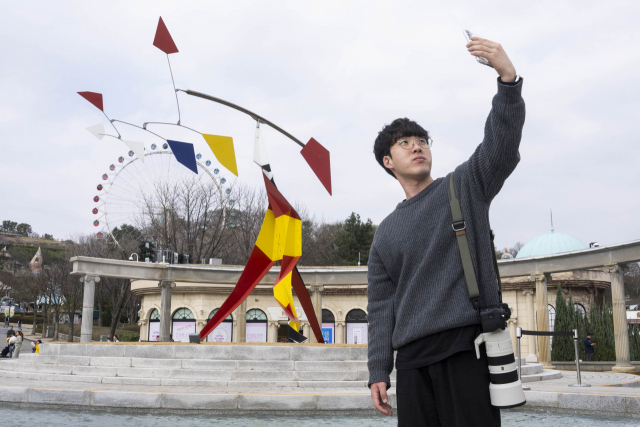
(222, 147)
(293, 244)
(280, 235)
(295, 325)
(266, 241)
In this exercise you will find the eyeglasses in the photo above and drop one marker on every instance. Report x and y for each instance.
(409, 143)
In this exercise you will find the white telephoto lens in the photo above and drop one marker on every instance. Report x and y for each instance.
(505, 388)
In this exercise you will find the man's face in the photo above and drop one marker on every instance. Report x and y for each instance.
(409, 158)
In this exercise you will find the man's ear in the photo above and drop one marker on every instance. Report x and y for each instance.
(388, 162)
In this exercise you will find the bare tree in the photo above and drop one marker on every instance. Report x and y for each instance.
(71, 291)
(116, 291)
(187, 217)
(249, 210)
(51, 278)
(29, 286)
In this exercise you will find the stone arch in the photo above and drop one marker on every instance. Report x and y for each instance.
(195, 313)
(335, 315)
(355, 307)
(218, 308)
(262, 309)
(147, 315)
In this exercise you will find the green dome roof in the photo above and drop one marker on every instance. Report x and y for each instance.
(552, 243)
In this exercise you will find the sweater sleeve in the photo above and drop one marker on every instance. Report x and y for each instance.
(381, 318)
(496, 158)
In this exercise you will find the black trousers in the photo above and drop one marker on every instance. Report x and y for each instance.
(452, 392)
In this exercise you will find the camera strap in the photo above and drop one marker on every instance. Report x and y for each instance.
(460, 228)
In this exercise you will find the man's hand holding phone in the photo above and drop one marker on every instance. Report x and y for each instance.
(495, 54)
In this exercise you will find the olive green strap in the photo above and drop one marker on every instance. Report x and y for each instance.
(459, 227)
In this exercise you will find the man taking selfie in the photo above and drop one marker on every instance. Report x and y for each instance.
(418, 301)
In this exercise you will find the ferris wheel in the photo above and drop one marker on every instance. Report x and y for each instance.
(138, 191)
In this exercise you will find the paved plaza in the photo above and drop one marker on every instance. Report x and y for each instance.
(550, 394)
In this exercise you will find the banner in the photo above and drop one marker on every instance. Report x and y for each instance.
(328, 330)
(256, 332)
(357, 333)
(222, 333)
(181, 331)
(154, 331)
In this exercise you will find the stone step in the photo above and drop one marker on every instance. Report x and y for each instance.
(546, 374)
(531, 368)
(294, 352)
(41, 376)
(194, 374)
(204, 364)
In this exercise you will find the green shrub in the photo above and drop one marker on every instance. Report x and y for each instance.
(634, 342)
(129, 337)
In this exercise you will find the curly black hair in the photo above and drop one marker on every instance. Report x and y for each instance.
(390, 134)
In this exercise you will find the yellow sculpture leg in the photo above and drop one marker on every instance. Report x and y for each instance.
(281, 234)
(266, 238)
(293, 242)
(222, 147)
(295, 325)
(284, 295)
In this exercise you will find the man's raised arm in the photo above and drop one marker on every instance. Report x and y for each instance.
(496, 158)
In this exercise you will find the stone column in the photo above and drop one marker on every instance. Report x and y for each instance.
(165, 310)
(531, 357)
(242, 321)
(316, 299)
(234, 330)
(620, 328)
(542, 301)
(272, 331)
(306, 329)
(86, 330)
(340, 332)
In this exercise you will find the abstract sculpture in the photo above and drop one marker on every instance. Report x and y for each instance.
(280, 237)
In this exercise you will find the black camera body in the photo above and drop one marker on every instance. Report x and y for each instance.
(495, 318)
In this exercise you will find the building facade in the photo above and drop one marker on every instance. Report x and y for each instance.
(342, 293)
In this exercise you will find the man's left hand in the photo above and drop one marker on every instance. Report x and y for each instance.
(495, 54)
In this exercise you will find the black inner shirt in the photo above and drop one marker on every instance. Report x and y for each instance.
(436, 347)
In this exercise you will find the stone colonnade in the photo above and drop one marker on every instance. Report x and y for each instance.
(539, 320)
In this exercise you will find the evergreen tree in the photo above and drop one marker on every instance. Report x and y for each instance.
(634, 342)
(602, 332)
(580, 322)
(355, 237)
(562, 348)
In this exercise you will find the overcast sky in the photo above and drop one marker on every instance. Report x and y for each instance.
(336, 71)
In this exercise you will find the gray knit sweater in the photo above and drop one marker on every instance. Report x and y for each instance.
(416, 282)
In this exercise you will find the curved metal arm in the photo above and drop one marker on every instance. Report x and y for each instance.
(243, 110)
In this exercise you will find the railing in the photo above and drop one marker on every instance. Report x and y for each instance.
(520, 332)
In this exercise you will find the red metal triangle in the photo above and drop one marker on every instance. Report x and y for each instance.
(286, 266)
(257, 267)
(305, 300)
(318, 159)
(277, 202)
(163, 40)
(94, 98)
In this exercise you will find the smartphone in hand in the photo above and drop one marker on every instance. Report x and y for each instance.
(484, 61)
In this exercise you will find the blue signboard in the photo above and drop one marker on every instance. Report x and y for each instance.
(327, 335)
